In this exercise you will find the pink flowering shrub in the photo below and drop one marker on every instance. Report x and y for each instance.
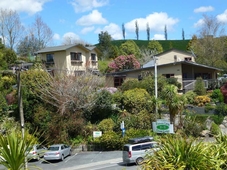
(123, 63)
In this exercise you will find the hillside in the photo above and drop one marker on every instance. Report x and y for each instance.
(166, 44)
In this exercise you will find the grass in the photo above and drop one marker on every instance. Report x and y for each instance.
(166, 44)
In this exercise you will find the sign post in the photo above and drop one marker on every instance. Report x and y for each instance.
(123, 128)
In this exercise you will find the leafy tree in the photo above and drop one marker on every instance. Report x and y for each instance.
(28, 46)
(102, 108)
(130, 48)
(104, 45)
(155, 47)
(148, 32)
(165, 30)
(123, 63)
(137, 30)
(123, 30)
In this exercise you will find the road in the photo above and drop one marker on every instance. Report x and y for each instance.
(85, 161)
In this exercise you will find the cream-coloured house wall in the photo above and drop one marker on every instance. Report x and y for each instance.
(169, 57)
(62, 60)
(59, 59)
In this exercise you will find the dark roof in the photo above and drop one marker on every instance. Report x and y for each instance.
(179, 62)
(63, 48)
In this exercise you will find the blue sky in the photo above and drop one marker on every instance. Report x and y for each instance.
(83, 20)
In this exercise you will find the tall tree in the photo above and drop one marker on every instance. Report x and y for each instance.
(210, 43)
(123, 30)
(11, 28)
(165, 31)
(137, 30)
(148, 32)
(183, 38)
(42, 32)
(104, 45)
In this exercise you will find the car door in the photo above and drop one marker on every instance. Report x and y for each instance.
(67, 150)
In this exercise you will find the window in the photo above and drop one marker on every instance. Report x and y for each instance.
(168, 75)
(93, 56)
(187, 59)
(136, 148)
(118, 81)
(146, 146)
(50, 58)
(75, 56)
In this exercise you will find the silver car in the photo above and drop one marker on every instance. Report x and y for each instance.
(36, 152)
(57, 152)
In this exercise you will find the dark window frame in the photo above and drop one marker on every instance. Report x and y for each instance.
(76, 56)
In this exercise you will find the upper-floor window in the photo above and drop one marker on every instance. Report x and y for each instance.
(50, 58)
(187, 59)
(93, 56)
(75, 56)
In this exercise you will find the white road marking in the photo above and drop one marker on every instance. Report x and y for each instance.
(70, 157)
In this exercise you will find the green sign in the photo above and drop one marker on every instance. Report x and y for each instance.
(162, 126)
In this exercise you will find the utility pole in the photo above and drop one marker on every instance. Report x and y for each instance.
(20, 104)
(156, 85)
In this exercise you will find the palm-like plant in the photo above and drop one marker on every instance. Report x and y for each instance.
(174, 102)
(13, 150)
(178, 153)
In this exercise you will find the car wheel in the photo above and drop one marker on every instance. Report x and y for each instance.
(139, 161)
(62, 157)
(38, 158)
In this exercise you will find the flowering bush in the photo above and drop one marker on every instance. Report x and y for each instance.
(202, 100)
(123, 63)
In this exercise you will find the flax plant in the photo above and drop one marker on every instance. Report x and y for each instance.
(13, 150)
(178, 153)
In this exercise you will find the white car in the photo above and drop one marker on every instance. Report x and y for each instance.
(36, 152)
(57, 152)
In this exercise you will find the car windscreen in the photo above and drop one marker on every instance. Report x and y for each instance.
(53, 148)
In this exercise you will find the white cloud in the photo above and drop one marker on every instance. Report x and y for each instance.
(56, 37)
(204, 9)
(199, 23)
(87, 5)
(70, 38)
(95, 17)
(156, 21)
(28, 6)
(113, 29)
(87, 29)
(158, 37)
(222, 17)
(71, 35)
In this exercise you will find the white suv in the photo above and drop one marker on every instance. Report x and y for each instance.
(135, 153)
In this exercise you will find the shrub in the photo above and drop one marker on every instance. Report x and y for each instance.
(173, 80)
(218, 119)
(209, 107)
(199, 88)
(106, 125)
(193, 125)
(190, 97)
(217, 96)
(183, 153)
(109, 141)
(221, 109)
(214, 129)
(201, 100)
